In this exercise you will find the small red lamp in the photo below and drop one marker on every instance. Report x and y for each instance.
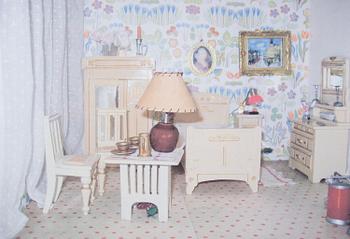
(167, 93)
(253, 98)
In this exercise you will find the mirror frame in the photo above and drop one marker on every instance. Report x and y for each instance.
(327, 65)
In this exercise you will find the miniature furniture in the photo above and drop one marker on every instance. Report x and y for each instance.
(110, 122)
(335, 73)
(247, 120)
(145, 179)
(222, 154)
(319, 147)
(216, 150)
(59, 166)
(112, 87)
(166, 93)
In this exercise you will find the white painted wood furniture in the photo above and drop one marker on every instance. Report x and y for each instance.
(145, 179)
(58, 166)
(112, 87)
(247, 120)
(215, 150)
(222, 154)
(319, 147)
(111, 127)
(334, 69)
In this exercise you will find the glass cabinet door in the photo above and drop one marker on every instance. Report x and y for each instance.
(111, 114)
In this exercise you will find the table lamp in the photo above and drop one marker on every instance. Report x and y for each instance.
(166, 93)
(253, 98)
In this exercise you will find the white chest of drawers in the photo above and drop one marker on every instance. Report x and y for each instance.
(318, 150)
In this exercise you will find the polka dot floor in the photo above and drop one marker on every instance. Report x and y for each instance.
(219, 209)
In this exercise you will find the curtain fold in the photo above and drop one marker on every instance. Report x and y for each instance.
(40, 54)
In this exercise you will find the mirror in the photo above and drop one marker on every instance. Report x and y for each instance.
(107, 97)
(335, 78)
(333, 81)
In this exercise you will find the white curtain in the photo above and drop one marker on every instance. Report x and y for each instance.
(41, 47)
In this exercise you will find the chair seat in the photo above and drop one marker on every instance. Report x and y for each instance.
(81, 160)
(76, 165)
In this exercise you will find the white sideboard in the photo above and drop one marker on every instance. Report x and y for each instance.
(112, 87)
(223, 154)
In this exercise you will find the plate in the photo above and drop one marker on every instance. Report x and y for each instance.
(133, 146)
(118, 152)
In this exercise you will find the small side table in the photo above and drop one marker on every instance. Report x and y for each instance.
(247, 121)
(145, 179)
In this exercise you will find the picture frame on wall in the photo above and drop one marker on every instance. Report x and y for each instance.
(202, 59)
(265, 53)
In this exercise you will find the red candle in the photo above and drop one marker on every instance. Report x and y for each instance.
(138, 32)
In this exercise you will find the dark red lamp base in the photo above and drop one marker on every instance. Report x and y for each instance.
(164, 137)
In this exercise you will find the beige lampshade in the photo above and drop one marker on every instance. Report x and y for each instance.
(167, 92)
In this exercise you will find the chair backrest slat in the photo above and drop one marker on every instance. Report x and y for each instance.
(53, 140)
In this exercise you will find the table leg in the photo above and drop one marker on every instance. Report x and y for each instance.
(125, 200)
(163, 207)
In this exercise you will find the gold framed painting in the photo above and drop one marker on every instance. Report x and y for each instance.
(265, 53)
(202, 59)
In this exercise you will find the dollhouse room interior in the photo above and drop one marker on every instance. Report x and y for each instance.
(185, 119)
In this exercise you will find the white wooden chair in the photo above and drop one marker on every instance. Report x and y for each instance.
(59, 165)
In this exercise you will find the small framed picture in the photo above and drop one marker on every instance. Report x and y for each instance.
(265, 53)
(202, 59)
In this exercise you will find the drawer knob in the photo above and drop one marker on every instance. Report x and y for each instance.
(300, 141)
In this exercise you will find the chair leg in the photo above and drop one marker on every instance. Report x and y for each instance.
(59, 183)
(101, 177)
(93, 186)
(50, 193)
(86, 191)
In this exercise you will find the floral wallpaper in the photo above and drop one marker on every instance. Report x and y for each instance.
(171, 28)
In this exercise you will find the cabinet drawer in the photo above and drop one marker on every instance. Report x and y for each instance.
(303, 128)
(307, 161)
(300, 157)
(249, 122)
(302, 141)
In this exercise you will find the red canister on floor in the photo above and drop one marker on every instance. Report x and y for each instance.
(338, 206)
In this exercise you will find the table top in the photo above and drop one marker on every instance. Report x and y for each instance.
(157, 158)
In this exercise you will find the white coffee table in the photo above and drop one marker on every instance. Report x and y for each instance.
(143, 179)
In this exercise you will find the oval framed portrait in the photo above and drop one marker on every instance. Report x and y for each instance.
(202, 59)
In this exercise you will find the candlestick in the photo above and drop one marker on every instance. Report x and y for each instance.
(138, 46)
(138, 32)
(316, 87)
(338, 103)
